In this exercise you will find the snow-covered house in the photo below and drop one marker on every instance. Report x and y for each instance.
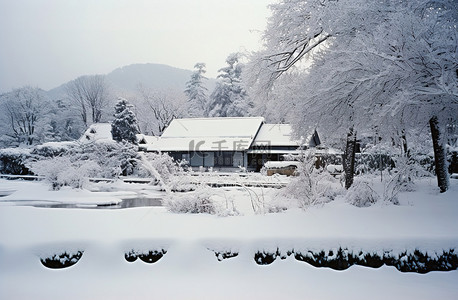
(101, 132)
(97, 132)
(145, 140)
(229, 142)
(273, 141)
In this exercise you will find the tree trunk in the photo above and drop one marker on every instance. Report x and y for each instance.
(405, 148)
(84, 114)
(440, 159)
(349, 158)
(94, 114)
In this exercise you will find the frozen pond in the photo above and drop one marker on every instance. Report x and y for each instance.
(125, 203)
(101, 195)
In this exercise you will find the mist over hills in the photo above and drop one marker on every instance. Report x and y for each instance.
(152, 76)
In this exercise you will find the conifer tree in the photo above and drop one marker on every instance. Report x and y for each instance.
(124, 127)
(229, 98)
(197, 92)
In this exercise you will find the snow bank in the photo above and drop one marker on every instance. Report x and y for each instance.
(195, 247)
(38, 193)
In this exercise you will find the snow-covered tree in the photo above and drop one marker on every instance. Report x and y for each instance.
(399, 76)
(229, 98)
(25, 109)
(91, 95)
(197, 92)
(298, 29)
(382, 66)
(158, 108)
(65, 171)
(124, 126)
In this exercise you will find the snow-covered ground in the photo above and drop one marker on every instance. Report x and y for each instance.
(424, 220)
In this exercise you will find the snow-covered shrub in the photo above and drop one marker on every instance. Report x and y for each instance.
(164, 164)
(64, 171)
(150, 256)
(181, 182)
(115, 159)
(53, 149)
(62, 260)
(13, 161)
(402, 178)
(312, 186)
(198, 201)
(77, 176)
(372, 161)
(51, 168)
(361, 194)
(276, 205)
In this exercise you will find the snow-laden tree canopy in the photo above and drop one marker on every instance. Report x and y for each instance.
(381, 57)
(124, 126)
(90, 93)
(197, 92)
(229, 98)
(157, 108)
(25, 113)
(386, 67)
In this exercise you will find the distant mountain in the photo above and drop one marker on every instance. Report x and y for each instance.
(154, 76)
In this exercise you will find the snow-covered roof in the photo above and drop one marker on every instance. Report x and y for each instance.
(98, 132)
(213, 127)
(280, 164)
(227, 134)
(208, 134)
(146, 139)
(275, 135)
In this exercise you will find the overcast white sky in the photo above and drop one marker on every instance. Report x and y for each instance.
(45, 43)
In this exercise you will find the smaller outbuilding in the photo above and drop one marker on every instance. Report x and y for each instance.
(97, 132)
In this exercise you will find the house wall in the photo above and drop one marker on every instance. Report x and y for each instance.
(204, 159)
(209, 159)
(238, 159)
(196, 160)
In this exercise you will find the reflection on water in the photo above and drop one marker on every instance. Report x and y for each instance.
(125, 203)
(140, 202)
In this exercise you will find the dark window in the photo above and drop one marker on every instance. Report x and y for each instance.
(224, 159)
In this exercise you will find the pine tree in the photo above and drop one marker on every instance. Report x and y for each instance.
(197, 92)
(124, 127)
(229, 98)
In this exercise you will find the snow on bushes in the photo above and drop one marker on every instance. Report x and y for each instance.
(115, 159)
(149, 257)
(198, 201)
(202, 200)
(163, 164)
(12, 161)
(53, 149)
(63, 171)
(222, 255)
(312, 186)
(77, 163)
(407, 261)
(342, 258)
(398, 179)
(361, 194)
(62, 260)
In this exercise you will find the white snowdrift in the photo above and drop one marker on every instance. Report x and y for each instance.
(424, 220)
